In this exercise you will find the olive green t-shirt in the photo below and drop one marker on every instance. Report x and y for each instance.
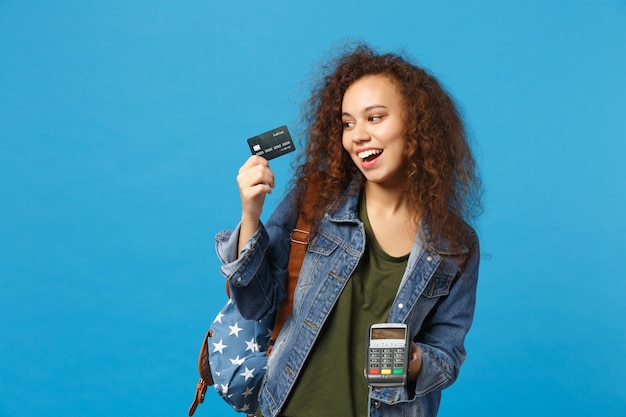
(332, 381)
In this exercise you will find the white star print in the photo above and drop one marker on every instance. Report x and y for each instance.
(248, 391)
(219, 347)
(247, 374)
(237, 361)
(251, 345)
(235, 330)
(218, 319)
(245, 408)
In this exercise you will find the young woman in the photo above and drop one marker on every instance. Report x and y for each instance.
(396, 178)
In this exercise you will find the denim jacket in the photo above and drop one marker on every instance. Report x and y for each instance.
(436, 299)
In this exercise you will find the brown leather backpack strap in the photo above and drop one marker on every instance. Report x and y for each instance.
(299, 240)
(204, 369)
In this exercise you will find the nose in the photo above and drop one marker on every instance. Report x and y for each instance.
(360, 133)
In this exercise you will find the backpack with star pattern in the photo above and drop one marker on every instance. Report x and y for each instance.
(237, 354)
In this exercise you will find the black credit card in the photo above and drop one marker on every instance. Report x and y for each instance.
(272, 144)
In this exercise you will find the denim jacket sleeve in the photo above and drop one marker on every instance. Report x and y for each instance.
(442, 335)
(256, 276)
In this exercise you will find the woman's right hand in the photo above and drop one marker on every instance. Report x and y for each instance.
(255, 180)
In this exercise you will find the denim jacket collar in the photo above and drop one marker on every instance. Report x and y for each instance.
(347, 211)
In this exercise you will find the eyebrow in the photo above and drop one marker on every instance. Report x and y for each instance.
(368, 108)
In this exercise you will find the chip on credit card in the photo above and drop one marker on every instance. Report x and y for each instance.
(272, 144)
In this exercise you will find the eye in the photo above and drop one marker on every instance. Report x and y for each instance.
(375, 118)
(347, 124)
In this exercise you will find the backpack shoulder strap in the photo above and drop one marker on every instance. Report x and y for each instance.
(299, 240)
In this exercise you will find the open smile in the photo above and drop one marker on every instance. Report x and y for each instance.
(369, 154)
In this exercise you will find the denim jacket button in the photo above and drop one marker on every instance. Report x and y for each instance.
(430, 258)
(400, 305)
(376, 404)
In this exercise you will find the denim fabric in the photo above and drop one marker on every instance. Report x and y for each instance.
(436, 298)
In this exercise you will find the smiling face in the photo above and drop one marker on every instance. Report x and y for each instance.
(374, 129)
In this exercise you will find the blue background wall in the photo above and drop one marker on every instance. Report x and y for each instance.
(123, 124)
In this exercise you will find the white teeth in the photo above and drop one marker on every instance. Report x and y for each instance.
(369, 152)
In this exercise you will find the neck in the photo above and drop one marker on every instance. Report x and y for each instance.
(389, 200)
(390, 218)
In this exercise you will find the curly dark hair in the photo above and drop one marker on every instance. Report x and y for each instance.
(441, 187)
